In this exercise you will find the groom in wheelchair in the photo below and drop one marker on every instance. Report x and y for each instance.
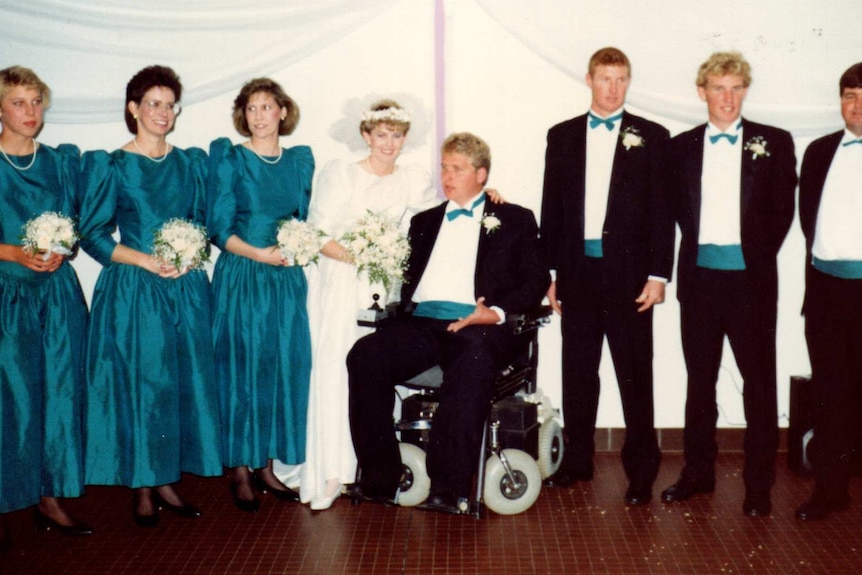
(471, 263)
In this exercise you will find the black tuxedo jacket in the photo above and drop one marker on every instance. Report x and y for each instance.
(815, 166)
(638, 231)
(510, 272)
(767, 190)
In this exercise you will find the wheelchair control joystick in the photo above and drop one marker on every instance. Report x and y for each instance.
(374, 316)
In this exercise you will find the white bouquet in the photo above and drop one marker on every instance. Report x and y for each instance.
(378, 248)
(51, 232)
(299, 242)
(181, 243)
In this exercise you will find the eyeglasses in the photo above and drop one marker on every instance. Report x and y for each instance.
(158, 106)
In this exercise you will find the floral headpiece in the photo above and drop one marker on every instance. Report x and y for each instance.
(386, 115)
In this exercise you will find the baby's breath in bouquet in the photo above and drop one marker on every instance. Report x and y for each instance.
(50, 232)
(378, 248)
(299, 242)
(182, 244)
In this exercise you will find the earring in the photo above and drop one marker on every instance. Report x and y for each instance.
(135, 116)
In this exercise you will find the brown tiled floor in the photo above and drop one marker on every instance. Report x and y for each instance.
(586, 529)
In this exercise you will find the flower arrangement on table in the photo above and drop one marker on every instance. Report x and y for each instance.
(378, 248)
(50, 232)
(181, 243)
(299, 242)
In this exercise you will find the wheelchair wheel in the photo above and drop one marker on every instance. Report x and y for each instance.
(501, 495)
(550, 447)
(415, 483)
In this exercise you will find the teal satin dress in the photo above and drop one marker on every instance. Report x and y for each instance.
(43, 319)
(260, 327)
(152, 409)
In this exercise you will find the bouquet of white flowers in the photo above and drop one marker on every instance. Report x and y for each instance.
(299, 242)
(50, 232)
(181, 243)
(378, 248)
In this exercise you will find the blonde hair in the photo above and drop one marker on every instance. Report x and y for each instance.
(21, 76)
(724, 64)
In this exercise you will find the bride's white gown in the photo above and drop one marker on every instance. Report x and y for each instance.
(344, 192)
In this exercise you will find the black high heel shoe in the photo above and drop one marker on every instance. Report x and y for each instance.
(246, 505)
(285, 494)
(147, 521)
(186, 510)
(45, 523)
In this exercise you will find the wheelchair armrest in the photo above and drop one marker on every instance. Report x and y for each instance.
(528, 321)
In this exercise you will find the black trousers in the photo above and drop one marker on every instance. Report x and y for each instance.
(470, 359)
(724, 303)
(833, 330)
(585, 323)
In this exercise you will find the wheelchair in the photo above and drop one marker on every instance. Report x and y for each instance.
(522, 440)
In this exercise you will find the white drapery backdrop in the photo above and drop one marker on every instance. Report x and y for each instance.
(504, 69)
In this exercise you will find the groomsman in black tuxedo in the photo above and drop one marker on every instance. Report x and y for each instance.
(608, 233)
(470, 264)
(733, 182)
(830, 210)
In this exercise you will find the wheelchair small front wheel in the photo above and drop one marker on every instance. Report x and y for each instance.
(415, 483)
(507, 497)
(550, 454)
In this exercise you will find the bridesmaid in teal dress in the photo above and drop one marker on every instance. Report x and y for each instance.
(151, 408)
(260, 327)
(43, 318)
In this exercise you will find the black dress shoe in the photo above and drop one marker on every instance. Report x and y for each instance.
(246, 505)
(45, 523)
(185, 510)
(285, 494)
(818, 507)
(757, 505)
(638, 494)
(685, 488)
(564, 478)
(441, 502)
(375, 493)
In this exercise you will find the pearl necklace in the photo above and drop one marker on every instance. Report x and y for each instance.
(264, 160)
(159, 160)
(32, 160)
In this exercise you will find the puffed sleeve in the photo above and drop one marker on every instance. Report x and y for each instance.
(200, 169)
(330, 199)
(98, 186)
(304, 161)
(69, 175)
(221, 198)
(421, 195)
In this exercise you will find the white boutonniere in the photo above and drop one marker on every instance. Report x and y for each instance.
(757, 147)
(632, 138)
(491, 223)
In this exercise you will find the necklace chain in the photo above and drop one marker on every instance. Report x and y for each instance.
(32, 160)
(264, 160)
(147, 156)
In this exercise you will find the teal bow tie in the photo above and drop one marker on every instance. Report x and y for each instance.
(451, 215)
(856, 141)
(595, 121)
(717, 137)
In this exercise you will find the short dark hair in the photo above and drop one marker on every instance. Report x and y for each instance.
(271, 87)
(149, 77)
(851, 78)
